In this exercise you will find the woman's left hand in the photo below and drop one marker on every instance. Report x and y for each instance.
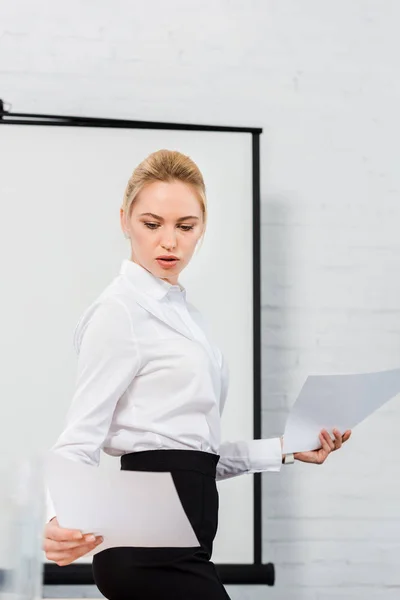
(328, 445)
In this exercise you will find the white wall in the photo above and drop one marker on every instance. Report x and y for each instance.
(322, 78)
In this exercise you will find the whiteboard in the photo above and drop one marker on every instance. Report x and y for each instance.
(61, 190)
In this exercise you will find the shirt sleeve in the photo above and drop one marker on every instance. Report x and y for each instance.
(245, 457)
(108, 360)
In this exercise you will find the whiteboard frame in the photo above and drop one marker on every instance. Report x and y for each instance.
(257, 572)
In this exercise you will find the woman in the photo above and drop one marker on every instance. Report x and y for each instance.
(151, 387)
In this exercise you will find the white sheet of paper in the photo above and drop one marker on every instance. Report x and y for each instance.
(336, 401)
(128, 508)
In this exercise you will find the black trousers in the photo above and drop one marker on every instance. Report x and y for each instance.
(132, 573)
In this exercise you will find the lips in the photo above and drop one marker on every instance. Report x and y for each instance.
(167, 263)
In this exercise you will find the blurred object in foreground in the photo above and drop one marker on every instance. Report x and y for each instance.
(21, 529)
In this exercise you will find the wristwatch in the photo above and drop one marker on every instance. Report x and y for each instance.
(288, 459)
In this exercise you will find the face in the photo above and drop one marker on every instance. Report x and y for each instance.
(166, 220)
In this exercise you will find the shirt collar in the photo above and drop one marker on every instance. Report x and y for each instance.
(149, 283)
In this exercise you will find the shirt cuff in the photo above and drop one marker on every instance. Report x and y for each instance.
(265, 455)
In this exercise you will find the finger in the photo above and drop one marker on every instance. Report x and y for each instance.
(338, 439)
(65, 544)
(326, 446)
(346, 435)
(65, 557)
(50, 545)
(328, 439)
(69, 555)
(54, 532)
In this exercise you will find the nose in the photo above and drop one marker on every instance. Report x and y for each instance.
(169, 241)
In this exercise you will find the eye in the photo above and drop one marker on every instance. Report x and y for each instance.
(154, 226)
(150, 225)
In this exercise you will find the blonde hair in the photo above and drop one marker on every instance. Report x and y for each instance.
(165, 165)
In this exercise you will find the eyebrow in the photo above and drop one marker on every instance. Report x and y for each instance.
(149, 214)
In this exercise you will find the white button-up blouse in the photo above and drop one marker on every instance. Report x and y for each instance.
(148, 377)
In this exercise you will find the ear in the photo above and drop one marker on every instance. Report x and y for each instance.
(122, 220)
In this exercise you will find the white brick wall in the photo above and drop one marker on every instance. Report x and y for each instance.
(322, 78)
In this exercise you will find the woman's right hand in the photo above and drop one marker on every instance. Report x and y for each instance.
(63, 546)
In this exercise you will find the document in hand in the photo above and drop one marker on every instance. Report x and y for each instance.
(128, 508)
(341, 401)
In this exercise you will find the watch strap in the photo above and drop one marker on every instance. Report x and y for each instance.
(288, 459)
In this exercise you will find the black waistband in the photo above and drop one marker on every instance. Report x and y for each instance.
(168, 460)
